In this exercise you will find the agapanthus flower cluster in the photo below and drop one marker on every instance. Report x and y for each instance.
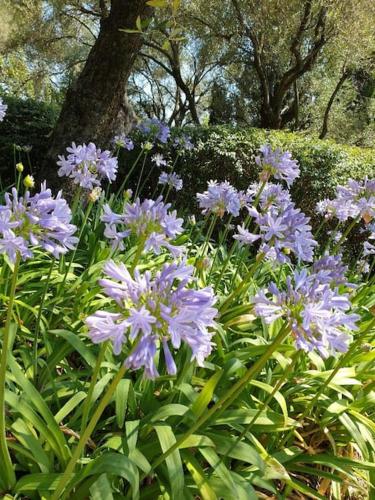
(317, 313)
(155, 312)
(330, 269)
(277, 164)
(155, 130)
(281, 228)
(355, 199)
(220, 198)
(171, 179)
(123, 141)
(183, 143)
(3, 110)
(88, 165)
(38, 220)
(149, 221)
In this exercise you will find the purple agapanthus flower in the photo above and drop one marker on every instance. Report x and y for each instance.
(171, 179)
(183, 143)
(155, 130)
(331, 269)
(149, 220)
(88, 165)
(32, 221)
(122, 141)
(155, 312)
(3, 109)
(316, 312)
(281, 228)
(159, 160)
(220, 198)
(278, 164)
(355, 199)
(369, 245)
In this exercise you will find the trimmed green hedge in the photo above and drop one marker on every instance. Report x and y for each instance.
(26, 123)
(227, 153)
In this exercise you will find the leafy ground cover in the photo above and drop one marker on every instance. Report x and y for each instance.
(141, 358)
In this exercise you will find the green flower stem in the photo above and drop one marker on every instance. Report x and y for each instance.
(129, 174)
(168, 192)
(221, 241)
(94, 378)
(29, 162)
(236, 389)
(59, 493)
(146, 179)
(208, 236)
(320, 227)
(140, 175)
(240, 259)
(246, 281)
(19, 175)
(344, 359)
(235, 244)
(8, 477)
(76, 200)
(225, 265)
(205, 222)
(38, 321)
(138, 254)
(346, 233)
(84, 222)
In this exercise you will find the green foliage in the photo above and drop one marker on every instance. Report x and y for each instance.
(229, 153)
(27, 123)
(299, 425)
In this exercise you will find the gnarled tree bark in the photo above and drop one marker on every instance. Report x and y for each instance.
(345, 75)
(96, 106)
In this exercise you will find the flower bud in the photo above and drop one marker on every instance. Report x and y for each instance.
(19, 167)
(29, 182)
(94, 195)
(147, 146)
(128, 193)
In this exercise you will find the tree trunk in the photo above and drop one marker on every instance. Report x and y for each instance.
(96, 106)
(331, 100)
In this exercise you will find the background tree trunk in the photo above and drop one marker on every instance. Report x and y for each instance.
(345, 75)
(96, 105)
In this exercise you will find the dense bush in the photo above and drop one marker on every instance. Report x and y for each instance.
(228, 153)
(27, 123)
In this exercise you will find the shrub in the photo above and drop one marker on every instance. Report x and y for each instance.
(27, 123)
(226, 153)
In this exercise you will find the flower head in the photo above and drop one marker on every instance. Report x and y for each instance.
(316, 312)
(149, 220)
(277, 164)
(29, 182)
(183, 143)
(172, 180)
(220, 197)
(155, 130)
(39, 220)
(355, 199)
(87, 165)
(155, 312)
(281, 228)
(122, 141)
(3, 110)
(159, 160)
